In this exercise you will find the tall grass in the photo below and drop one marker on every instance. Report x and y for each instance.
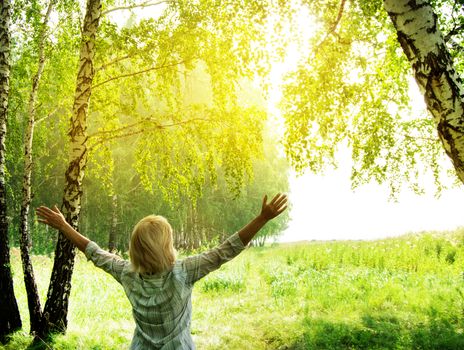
(400, 293)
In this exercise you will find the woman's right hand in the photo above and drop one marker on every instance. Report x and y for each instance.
(275, 207)
(51, 217)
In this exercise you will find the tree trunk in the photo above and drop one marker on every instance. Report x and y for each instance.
(10, 319)
(33, 299)
(192, 232)
(56, 308)
(424, 46)
(114, 226)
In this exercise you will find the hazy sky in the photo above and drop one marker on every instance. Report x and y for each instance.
(325, 208)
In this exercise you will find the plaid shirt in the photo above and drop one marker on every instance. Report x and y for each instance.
(161, 303)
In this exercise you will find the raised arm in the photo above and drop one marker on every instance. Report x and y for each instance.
(54, 218)
(268, 212)
(200, 265)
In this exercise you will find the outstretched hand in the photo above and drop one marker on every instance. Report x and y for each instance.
(51, 217)
(268, 212)
(275, 207)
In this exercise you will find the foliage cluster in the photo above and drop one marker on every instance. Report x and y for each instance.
(175, 121)
(355, 58)
(397, 293)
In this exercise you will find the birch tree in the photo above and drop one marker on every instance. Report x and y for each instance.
(423, 44)
(56, 307)
(9, 314)
(33, 300)
(356, 60)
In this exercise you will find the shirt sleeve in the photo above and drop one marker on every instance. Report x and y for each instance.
(108, 262)
(198, 266)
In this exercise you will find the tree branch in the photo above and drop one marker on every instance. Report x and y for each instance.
(139, 72)
(134, 188)
(423, 138)
(52, 112)
(334, 25)
(116, 60)
(454, 31)
(121, 132)
(106, 139)
(457, 28)
(47, 178)
(37, 121)
(131, 7)
(339, 17)
(148, 120)
(121, 129)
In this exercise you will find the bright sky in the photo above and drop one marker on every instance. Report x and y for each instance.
(325, 208)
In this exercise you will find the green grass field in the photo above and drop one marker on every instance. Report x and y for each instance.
(399, 293)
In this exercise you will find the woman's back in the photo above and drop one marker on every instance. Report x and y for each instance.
(162, 309)
(161, 303)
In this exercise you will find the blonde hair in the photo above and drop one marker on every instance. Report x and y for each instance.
(151, 249)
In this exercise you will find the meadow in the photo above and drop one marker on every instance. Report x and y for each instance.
(397, 293)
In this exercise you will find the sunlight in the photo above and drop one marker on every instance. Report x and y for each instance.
(297, 35)
(166, 132)
(324, 207)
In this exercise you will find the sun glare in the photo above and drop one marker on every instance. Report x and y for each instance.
(325, 207)
(296, 34)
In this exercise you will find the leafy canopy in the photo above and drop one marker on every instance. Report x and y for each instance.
(351, 90)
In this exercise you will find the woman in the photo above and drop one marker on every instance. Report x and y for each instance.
(158, 286)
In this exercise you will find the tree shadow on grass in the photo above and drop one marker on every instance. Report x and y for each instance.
(380, 331)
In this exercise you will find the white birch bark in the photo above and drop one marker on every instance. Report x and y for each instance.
(56, 307)
(33, 299)
(9, 314)
(424, 46)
